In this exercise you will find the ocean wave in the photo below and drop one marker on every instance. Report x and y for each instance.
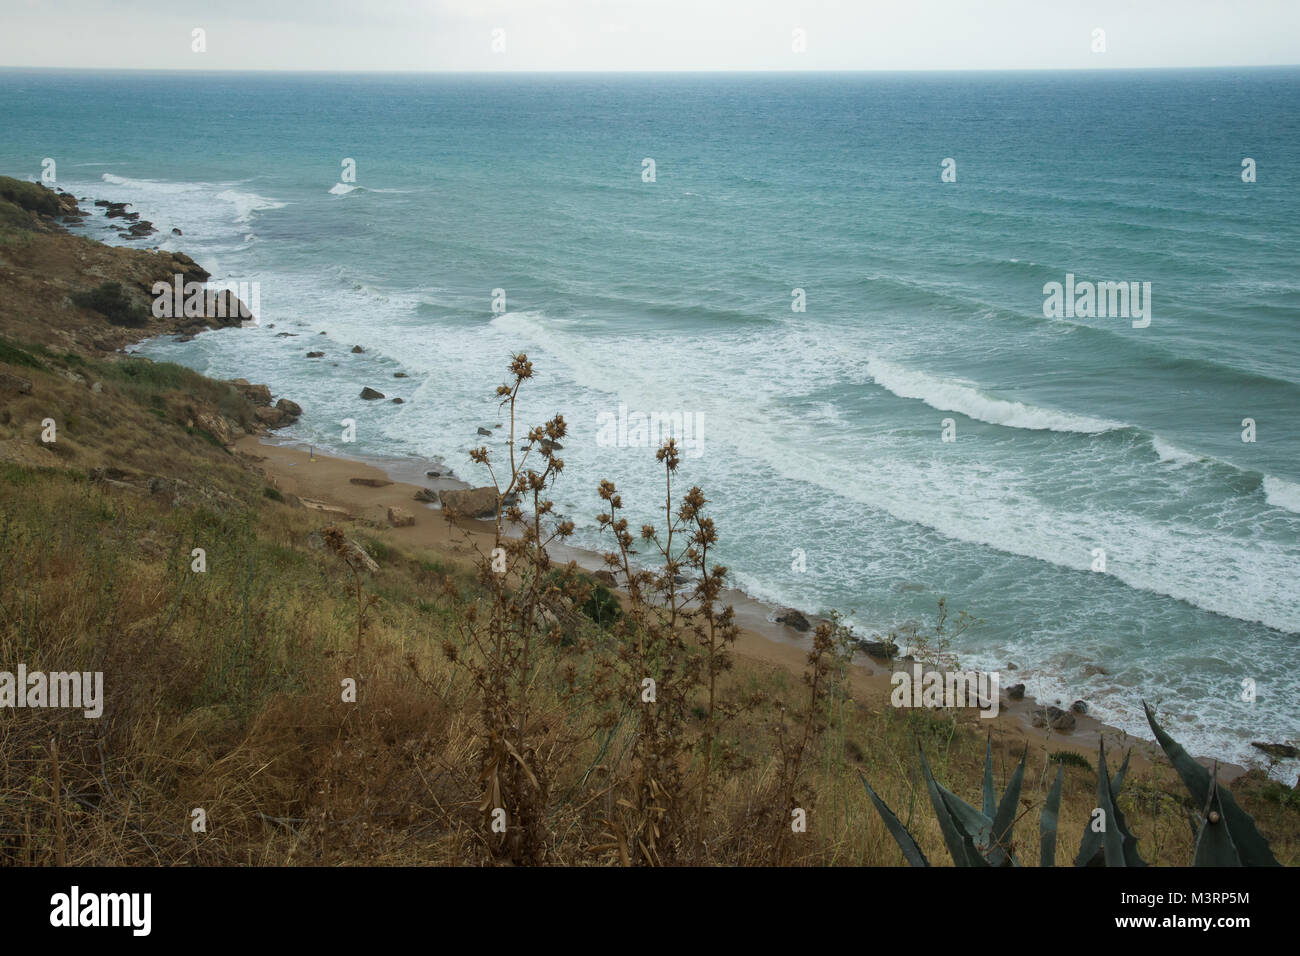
(1282, 494)
(1173, 454)
(246, 204)
(966, 399)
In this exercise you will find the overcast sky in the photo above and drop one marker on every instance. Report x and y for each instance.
(648, 34)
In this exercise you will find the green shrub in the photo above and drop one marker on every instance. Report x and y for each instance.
(112, 302)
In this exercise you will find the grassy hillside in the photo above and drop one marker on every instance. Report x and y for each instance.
(225, 687)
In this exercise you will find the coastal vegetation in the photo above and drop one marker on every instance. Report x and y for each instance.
(322, 693)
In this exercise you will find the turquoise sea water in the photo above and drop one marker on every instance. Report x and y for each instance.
(821, 429)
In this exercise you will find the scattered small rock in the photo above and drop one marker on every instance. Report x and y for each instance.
(399, 375)
(176, 232)
(483, 431)
(398, 401)
(358, 350)
(315, 354)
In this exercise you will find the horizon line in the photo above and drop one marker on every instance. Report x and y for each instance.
(653, 72)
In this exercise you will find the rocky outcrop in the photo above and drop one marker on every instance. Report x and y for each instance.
(478, 503)
(284, 412)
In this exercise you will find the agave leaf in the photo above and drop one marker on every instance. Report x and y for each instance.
(960, 844)
(1093, 847)
(1005, 819)
(1047, 822)
(1214, 846)
(1112, 841)
(990, 796)
(911, 852)
(1252, 848)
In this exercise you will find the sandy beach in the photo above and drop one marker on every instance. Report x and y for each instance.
(325, 483)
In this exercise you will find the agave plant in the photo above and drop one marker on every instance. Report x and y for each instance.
(983, 837)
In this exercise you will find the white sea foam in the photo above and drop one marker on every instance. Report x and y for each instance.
(1282, 494)
(341, 189)
(1173, 454)
(966, 399)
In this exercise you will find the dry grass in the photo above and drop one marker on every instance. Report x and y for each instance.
(225, 689)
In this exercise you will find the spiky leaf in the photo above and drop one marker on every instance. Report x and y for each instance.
(1214, 846)
(961, 845)
(1004, 820)
(1252, 848)
(911, 852)
(1115, 846)
(1048, 821)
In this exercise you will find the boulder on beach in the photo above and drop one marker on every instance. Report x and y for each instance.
(883, 650)
(400, 518)
(370, 394)
(792, 618)
(428, 495)
(370, 482)
(1079, 707)
(471, 502)
(1016, 691)
(1053, 717)
(290, 408)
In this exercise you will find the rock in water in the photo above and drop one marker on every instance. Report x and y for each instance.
(369, 393)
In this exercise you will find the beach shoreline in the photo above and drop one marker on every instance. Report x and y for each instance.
(324, 482)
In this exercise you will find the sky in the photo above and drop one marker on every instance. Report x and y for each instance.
(655, 35)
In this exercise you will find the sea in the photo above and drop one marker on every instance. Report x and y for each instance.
(835, 288)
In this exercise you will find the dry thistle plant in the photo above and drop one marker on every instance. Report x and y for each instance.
(672, 646)
(504, 633)
(825, 678)
(356, 559)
